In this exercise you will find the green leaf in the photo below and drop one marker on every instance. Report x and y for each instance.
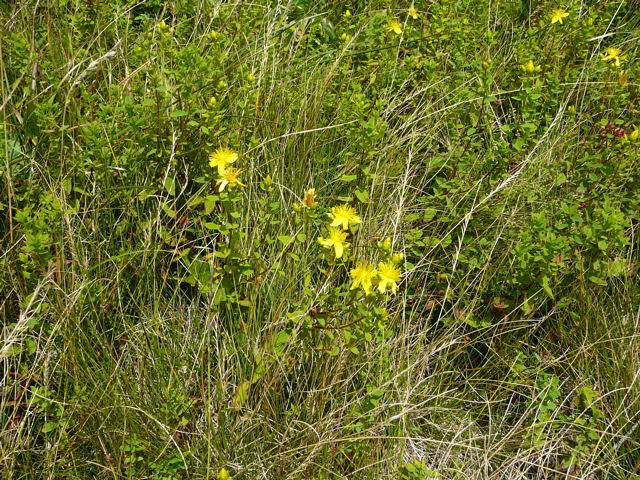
(598, 280)
(169, 211)
(348, 178)
(170, 185)
(49, 426)
(285, 239)
(362, 195)
(546, 287)
(242, 392)
(429, 214)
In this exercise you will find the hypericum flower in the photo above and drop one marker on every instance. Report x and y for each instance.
(397, 257)
(344, 215)
(336, 239)
(623, 77)
(612, 54)
(558, 15)
(309, 199)
(530, 67)
(222, 158)
(395, 27)
(363, 276)
(163, 28)
(389, 276)
(413, 13)
(230, 177)
(224, 474)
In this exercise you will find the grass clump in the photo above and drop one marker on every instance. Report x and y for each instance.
(319, 240)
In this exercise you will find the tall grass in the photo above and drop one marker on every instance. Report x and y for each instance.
(117, 364)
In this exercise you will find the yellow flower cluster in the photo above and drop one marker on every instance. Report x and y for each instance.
(344, 217)
(387, 275)
(228, 176)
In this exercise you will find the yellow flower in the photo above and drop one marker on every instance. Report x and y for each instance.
(612, 54)
(397, 257)
(363, 276)
(346, 14)
(395, 27)
(385, 245)
(224, 474)
(389, 275)
(221, 158)
(163, 28)
(623, 77)
(558, 15)
(344, 215)
(413, 13)
(336, 239)
(309, 199)
(530, 67)
(230, 177)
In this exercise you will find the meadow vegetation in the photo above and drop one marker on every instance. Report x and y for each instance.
(317, 239)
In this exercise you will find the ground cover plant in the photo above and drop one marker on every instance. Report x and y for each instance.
(315, 239)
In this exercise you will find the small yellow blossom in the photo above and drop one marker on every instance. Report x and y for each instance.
(612, 54)
(346, 14)
(222, 158)
(224, 474)
(344, 215)
(530, 67)
(558, 15)
(212, 102)
(413, 13)
(385, 245)
(163, 28)
(363, 276)
(309, 199)
(389, 276)
(230, 177)
(623, 77)
(395, 27)
(397, 257)
(336, 239)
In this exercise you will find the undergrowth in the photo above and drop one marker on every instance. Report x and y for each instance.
(319, 240)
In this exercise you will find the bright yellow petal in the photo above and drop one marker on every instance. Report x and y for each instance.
(325, 242)
(339, 249)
